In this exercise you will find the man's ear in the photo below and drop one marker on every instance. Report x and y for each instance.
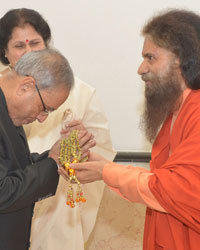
(26, 86)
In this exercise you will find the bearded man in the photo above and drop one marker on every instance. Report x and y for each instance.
(171, 121)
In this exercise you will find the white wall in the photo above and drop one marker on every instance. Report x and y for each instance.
(101, 39)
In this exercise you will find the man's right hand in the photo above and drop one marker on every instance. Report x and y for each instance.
(86, 141)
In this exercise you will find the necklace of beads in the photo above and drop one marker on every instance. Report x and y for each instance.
(70, 152)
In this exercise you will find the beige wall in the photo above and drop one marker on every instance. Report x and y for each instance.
(103, 43)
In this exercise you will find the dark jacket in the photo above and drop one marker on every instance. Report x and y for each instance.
(24, 179)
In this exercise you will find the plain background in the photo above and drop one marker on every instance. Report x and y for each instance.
(102, 41)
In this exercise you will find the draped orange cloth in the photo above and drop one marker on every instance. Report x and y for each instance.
(176, 182)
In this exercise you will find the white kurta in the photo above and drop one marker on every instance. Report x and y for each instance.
(55, 225)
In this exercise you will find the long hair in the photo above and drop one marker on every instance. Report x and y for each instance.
(179, 32)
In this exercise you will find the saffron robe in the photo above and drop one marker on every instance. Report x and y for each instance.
(176, 182)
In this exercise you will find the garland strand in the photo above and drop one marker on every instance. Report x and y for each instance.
(70, 152)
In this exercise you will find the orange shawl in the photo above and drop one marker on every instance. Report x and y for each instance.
(176, 182)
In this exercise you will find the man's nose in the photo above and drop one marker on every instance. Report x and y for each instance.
(143, 68)
(42, 117)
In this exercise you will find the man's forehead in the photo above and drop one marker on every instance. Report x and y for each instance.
(54, 97)
(60, 89)
(151, 48)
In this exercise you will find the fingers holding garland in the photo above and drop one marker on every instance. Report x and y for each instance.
(86, 141)
(74, 124)
(85, 137)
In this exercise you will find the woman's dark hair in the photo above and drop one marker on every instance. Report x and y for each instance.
(179, 32)
(18, 18)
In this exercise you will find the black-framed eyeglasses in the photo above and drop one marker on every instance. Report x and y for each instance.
(44, 107)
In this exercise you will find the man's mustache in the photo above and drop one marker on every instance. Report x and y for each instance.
(146, 77)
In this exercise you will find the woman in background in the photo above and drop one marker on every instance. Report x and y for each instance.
(55, 225)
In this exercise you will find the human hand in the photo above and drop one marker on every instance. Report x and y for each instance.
(86, 141)
(88, 171)
(74, 124)
(54, 152)
(96, 157)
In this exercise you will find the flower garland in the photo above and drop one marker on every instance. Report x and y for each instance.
(70, 152)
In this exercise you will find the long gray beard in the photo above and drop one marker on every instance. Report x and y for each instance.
(161, 99)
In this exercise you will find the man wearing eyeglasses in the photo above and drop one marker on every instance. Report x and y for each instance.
(39, 84)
